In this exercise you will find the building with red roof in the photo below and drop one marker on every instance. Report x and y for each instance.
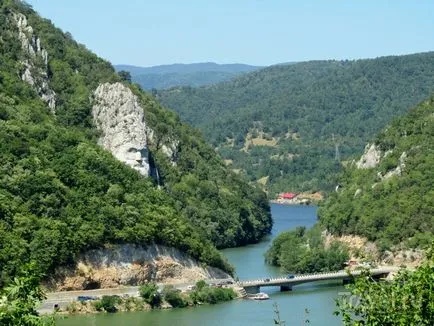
(287, 195)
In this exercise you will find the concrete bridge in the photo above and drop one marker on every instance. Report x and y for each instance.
(286, 284)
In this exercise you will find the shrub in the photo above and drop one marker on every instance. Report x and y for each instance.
(200, 285)
(211, 295)
(406, 300)
(149, 293)
(173, 296)
(107, 303)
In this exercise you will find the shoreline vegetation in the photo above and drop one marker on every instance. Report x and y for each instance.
(303, 198)
(303, 251)
(151, 297)
(288, 202)
(63, 194)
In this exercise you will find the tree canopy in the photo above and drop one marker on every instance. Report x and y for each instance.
(296, 124)
(18, 300)
(392, 202)
(301, 251)
(62, 194)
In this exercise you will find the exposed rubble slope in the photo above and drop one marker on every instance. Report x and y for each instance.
(131, 265)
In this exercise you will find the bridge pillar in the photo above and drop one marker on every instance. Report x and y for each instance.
(284, 288)
(252, 289)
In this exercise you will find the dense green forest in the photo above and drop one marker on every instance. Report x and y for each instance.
(296, 124)
(301, 251)
(62, 194)
(392, 202)
(195, 74)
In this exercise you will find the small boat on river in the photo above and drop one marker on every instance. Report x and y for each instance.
(259, 296)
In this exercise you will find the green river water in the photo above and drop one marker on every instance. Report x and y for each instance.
(318, 298)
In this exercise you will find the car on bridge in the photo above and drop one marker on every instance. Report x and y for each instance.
(290, 276)
(267, 280)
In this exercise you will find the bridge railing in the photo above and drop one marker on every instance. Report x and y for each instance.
(311, 276)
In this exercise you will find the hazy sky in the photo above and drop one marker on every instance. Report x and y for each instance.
(259, 32)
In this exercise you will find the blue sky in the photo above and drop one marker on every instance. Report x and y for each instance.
(258, 32)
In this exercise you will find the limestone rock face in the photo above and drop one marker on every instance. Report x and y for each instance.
(120, 118)
(35, 61)
(398, 170)
(370, 158)
(130, 265)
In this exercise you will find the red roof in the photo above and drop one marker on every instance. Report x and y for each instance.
(287, 195)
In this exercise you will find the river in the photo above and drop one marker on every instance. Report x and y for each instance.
(317, 298)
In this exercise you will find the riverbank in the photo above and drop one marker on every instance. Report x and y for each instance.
(292, 202)
(63, 299)
(249, 263)
(300, 199)
(150, 296)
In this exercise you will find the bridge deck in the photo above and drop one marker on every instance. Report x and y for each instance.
(304, 278)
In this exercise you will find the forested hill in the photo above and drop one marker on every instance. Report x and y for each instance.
(77, 144)
(388, 195)
(291, 127)
(194, 74)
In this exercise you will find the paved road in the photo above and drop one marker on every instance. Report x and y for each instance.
(65, 298)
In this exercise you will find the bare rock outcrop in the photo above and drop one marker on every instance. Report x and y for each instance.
(370, 158)
(130, 265)
(120, 118)
(35, 61)
(361, 249)
(398, 170)
(118, 114)
(403, 257)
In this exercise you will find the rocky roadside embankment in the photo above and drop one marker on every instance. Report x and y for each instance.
(363, 250)
(130, 265)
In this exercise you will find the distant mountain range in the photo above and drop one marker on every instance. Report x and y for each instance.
(178, 74)
(291, 126)
(182, 68)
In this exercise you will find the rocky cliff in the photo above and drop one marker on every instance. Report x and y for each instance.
(34, 61)
(373, 156)
(130, 265)
(116, 110)
(370, 158)
(120, 118)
